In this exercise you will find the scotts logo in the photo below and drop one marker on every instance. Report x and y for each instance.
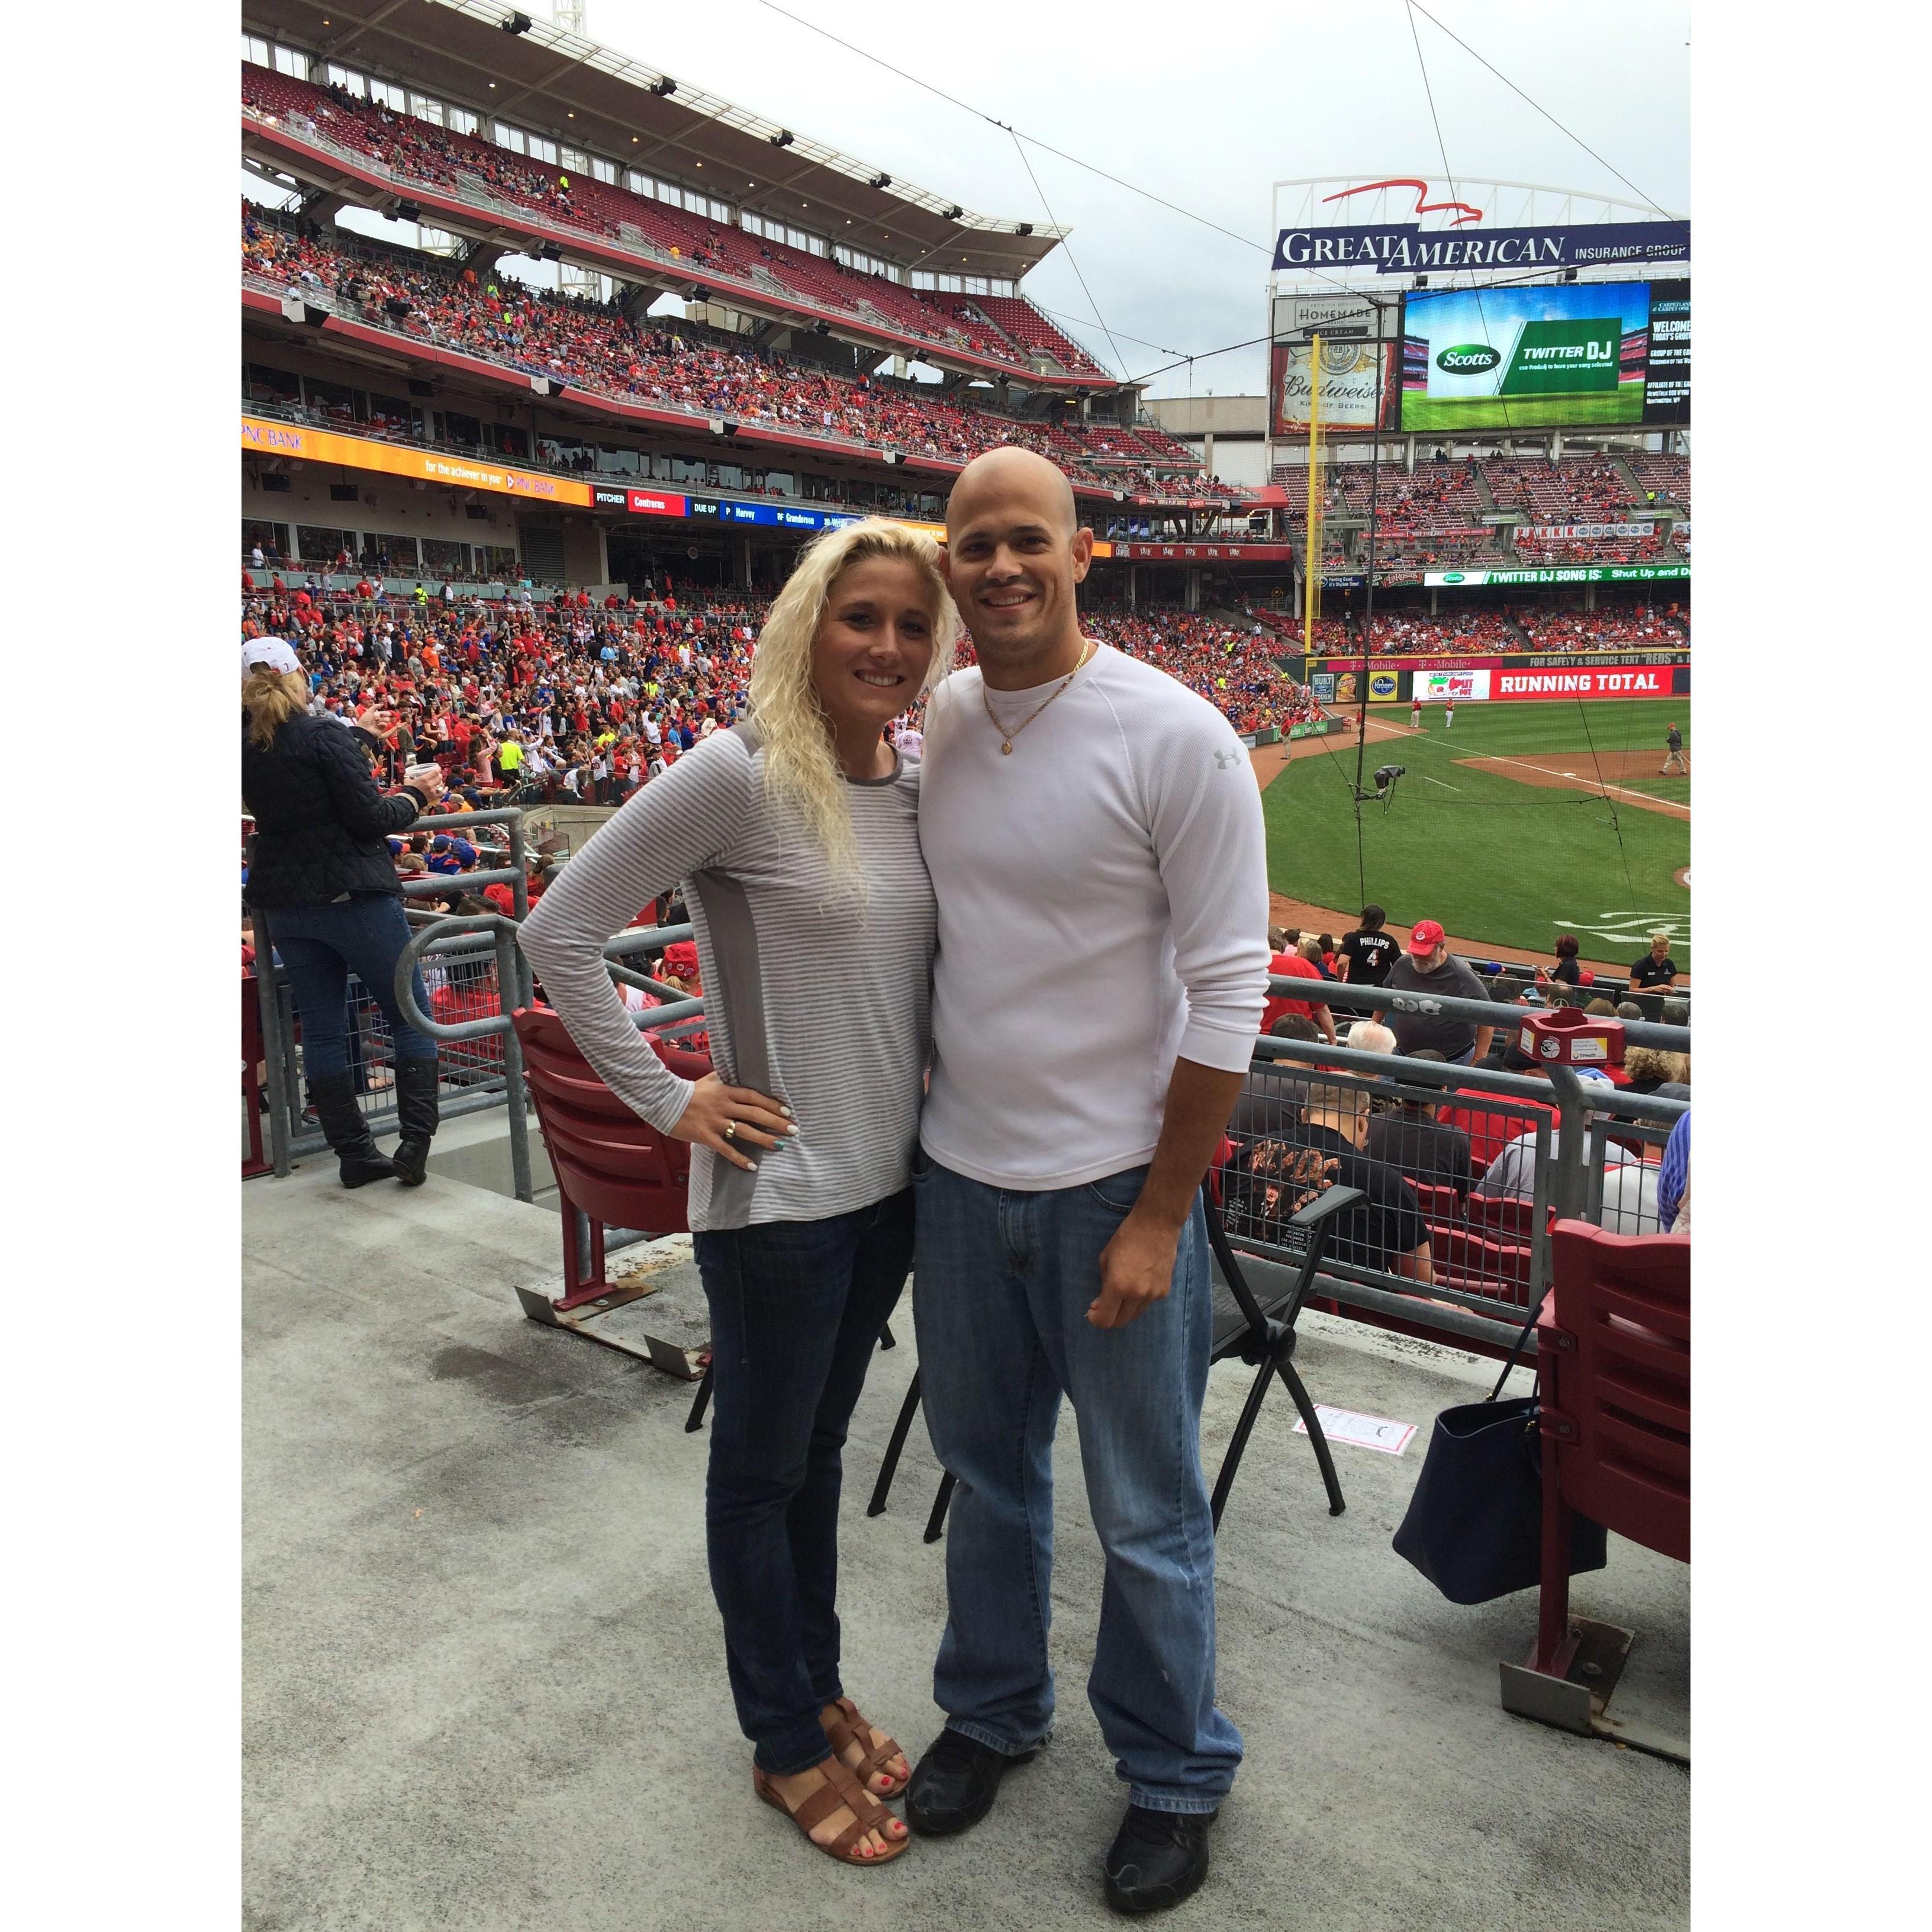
(1472, 357)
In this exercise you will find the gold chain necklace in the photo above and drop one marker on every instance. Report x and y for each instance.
(1006, 736)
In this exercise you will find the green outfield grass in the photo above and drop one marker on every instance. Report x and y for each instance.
(1493, 859)
(1623, 404)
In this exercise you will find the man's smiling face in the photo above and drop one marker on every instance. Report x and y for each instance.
(1014, 552)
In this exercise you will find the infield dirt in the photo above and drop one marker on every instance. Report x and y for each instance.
(1602, 774)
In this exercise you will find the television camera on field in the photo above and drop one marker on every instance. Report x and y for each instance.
(1386, 776)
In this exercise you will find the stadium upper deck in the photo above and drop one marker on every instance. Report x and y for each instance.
(569, 147)
(623, 367)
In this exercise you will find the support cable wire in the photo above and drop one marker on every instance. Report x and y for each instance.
(1132, 187)
(1649, 201)
(1007, 127)
(1448, 174)
(1120, 361)
(1441, 147)
(1616, 823)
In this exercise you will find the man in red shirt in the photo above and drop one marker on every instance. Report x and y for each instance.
(1294, 963)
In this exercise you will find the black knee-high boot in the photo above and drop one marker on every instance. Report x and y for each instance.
(416, 1110)
(333, 1096)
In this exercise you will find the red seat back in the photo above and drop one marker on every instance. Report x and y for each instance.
(1506, 1216)
(1614, 1352)
(1440, 1205)
(1468, 1260)
(618, 1169)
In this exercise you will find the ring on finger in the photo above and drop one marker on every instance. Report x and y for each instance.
(730, 1130)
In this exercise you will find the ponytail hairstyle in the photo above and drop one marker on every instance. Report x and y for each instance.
(269, 698)
(800, 768)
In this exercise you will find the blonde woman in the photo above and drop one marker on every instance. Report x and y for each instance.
(322, 876)
(794, 839)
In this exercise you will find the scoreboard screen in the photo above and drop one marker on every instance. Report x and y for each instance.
(1569, 355)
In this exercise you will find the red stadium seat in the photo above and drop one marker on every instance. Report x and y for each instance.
(610, 1166)
(1465, 1259)
(1613, 1378)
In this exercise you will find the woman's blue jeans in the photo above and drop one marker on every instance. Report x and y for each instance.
(797, 1307)
(321, 945)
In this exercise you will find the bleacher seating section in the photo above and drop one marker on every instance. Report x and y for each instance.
(600, 350)
(1432, 518)
(1002, 329)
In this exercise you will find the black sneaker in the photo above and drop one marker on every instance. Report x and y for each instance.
(1157, 1859)
(954, 1785)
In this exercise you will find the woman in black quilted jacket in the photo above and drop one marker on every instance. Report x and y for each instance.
(321, 871)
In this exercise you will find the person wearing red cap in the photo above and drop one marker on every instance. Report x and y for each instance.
(1430, 967)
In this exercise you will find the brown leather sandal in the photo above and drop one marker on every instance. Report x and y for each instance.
(840, 1788)
(850, 1727)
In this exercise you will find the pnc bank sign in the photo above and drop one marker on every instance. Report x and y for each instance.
(1405, 248)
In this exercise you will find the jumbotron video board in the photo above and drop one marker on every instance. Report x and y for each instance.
(1566, 355)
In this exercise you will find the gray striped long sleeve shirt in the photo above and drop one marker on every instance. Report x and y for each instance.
(810, 997)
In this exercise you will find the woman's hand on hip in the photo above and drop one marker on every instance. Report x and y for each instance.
(757, 1122)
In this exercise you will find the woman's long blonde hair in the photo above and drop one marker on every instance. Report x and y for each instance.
(800, 767)
(269, 698)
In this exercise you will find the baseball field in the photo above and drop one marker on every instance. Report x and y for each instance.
(1519, 823)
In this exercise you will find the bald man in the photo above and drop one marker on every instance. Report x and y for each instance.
(1094, 831)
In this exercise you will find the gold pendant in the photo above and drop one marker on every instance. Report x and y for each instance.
(1007, 748)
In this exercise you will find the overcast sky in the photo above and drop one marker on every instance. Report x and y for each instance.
(1282, 89)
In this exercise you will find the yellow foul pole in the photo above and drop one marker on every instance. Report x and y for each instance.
(1311, 575)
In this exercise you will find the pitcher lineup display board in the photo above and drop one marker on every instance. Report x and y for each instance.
(1565, 356)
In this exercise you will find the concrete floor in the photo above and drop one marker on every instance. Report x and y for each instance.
(485, 1684)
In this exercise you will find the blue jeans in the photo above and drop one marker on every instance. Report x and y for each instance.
(1001, 1290)
(321, 945)
(797, 1307)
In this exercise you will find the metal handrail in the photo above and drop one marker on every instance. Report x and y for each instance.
(1448, 1005)
(509, 975)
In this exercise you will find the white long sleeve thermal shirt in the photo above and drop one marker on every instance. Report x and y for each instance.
(1103, 895)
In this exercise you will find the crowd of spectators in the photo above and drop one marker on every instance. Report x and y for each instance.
(1432, 517)
(1235, 669)
(574, 699)
(1489, 633)
(999, 328)
(1642, 629)
(595, 347)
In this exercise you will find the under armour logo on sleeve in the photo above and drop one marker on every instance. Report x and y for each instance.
(1226, 760)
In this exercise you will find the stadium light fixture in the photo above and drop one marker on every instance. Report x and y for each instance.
(517, 23)
(881, 181)
(663, 86)
(782, 138)
(953, 213)
(1023, 228)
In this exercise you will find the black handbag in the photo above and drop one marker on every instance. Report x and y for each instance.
(1475, 1525)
